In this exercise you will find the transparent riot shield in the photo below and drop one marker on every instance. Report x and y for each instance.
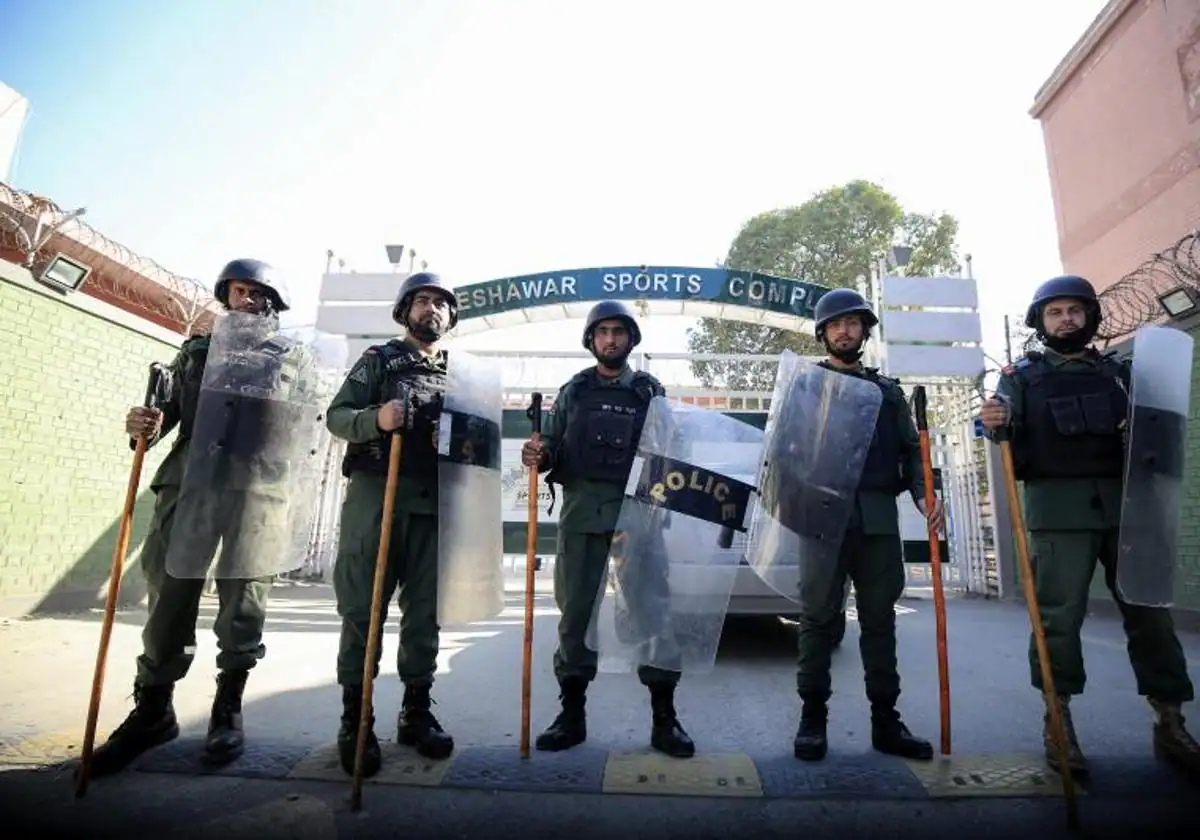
(1156, 443)
(470, 527)
(819, 429)
(256, 458)
(671, 568)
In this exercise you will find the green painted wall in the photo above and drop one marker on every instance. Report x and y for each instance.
(1187, 586)
(67, 376)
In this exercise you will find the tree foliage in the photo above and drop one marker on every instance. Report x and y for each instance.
(833, 239)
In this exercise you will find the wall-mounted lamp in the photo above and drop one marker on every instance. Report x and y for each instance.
(65, 273)
(898, 256)
(1180, 301)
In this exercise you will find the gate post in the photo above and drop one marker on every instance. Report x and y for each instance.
(1002, 537)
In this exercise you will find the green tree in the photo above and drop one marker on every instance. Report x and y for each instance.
(832, 239)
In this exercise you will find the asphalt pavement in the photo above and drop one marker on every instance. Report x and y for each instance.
(743, 781)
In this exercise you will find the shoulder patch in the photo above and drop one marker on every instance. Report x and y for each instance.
(1020, 364)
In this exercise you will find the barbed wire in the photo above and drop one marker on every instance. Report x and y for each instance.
(1132, 301)
(182, 299)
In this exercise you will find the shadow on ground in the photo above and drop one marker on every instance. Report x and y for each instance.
(746, 705)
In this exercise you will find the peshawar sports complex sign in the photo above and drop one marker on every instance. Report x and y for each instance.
(748, 289)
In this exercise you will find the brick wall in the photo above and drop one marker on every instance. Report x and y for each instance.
(1123, 142)
(70, 366)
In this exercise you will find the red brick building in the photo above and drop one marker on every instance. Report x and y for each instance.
(1121, 120)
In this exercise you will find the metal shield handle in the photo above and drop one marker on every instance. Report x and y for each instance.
(534, 412)
(920, 408)
(158, 385)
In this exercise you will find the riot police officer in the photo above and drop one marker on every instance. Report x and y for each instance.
(1063, 409)
(871, 552)
(587, 446)
(394, 386)
(169, 635)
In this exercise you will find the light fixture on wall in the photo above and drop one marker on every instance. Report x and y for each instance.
(1180, 301)
(898, 256)
(65, 273)
(395, 255)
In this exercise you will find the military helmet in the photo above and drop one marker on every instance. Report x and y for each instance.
(1066, 286)
(415, 283)
(837, 303)
(257, 272)
(605, 310)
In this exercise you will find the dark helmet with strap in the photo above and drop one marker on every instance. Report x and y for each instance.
(423, 280)
(257, 272)
(606, 310)
(837, 303)
(1066, 286)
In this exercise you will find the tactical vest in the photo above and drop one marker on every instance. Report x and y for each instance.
(246, 408)
(600, 438)
(1072, 420)
(883, 470)
(406, 370)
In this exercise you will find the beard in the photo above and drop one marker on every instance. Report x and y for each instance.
(428, 331)
(1071, 342)
(612, 361)
(847, 354)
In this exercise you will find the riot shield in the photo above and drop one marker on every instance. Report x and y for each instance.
(670, 572)
(1156, 443)
(470, 528)
(256, 459)
(818, 431)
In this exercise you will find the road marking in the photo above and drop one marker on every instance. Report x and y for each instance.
(987, 776)
(731, 774)
(401, 766)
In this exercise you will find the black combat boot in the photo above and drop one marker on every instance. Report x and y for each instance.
(225, 739)
(417, 727)
(666, 734)
(151, 723)
(812, 741)
(570, 727)
(1076, 760)
(1172, 741)
(889, 735)
(347, 739)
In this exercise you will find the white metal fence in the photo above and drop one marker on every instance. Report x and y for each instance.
(970, 566)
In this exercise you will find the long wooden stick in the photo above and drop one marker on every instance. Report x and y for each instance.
(120, 551)
(535, 417)
(935, 559)
(381, 559)
(1049, 694)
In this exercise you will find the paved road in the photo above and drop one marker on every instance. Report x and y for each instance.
(742, 716)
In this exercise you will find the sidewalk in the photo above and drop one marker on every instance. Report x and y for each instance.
(742, 716)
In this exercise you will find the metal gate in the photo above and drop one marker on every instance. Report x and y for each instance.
(969, 566)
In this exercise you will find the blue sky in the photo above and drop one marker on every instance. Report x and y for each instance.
(531, 135)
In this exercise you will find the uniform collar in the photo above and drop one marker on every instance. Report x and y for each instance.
(412, 347)
(1057, 359)
(625, 377)
(858, 370)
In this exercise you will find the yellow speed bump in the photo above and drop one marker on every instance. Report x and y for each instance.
(729, 774)
(41, 749)
(401, 766)
(987, 775)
